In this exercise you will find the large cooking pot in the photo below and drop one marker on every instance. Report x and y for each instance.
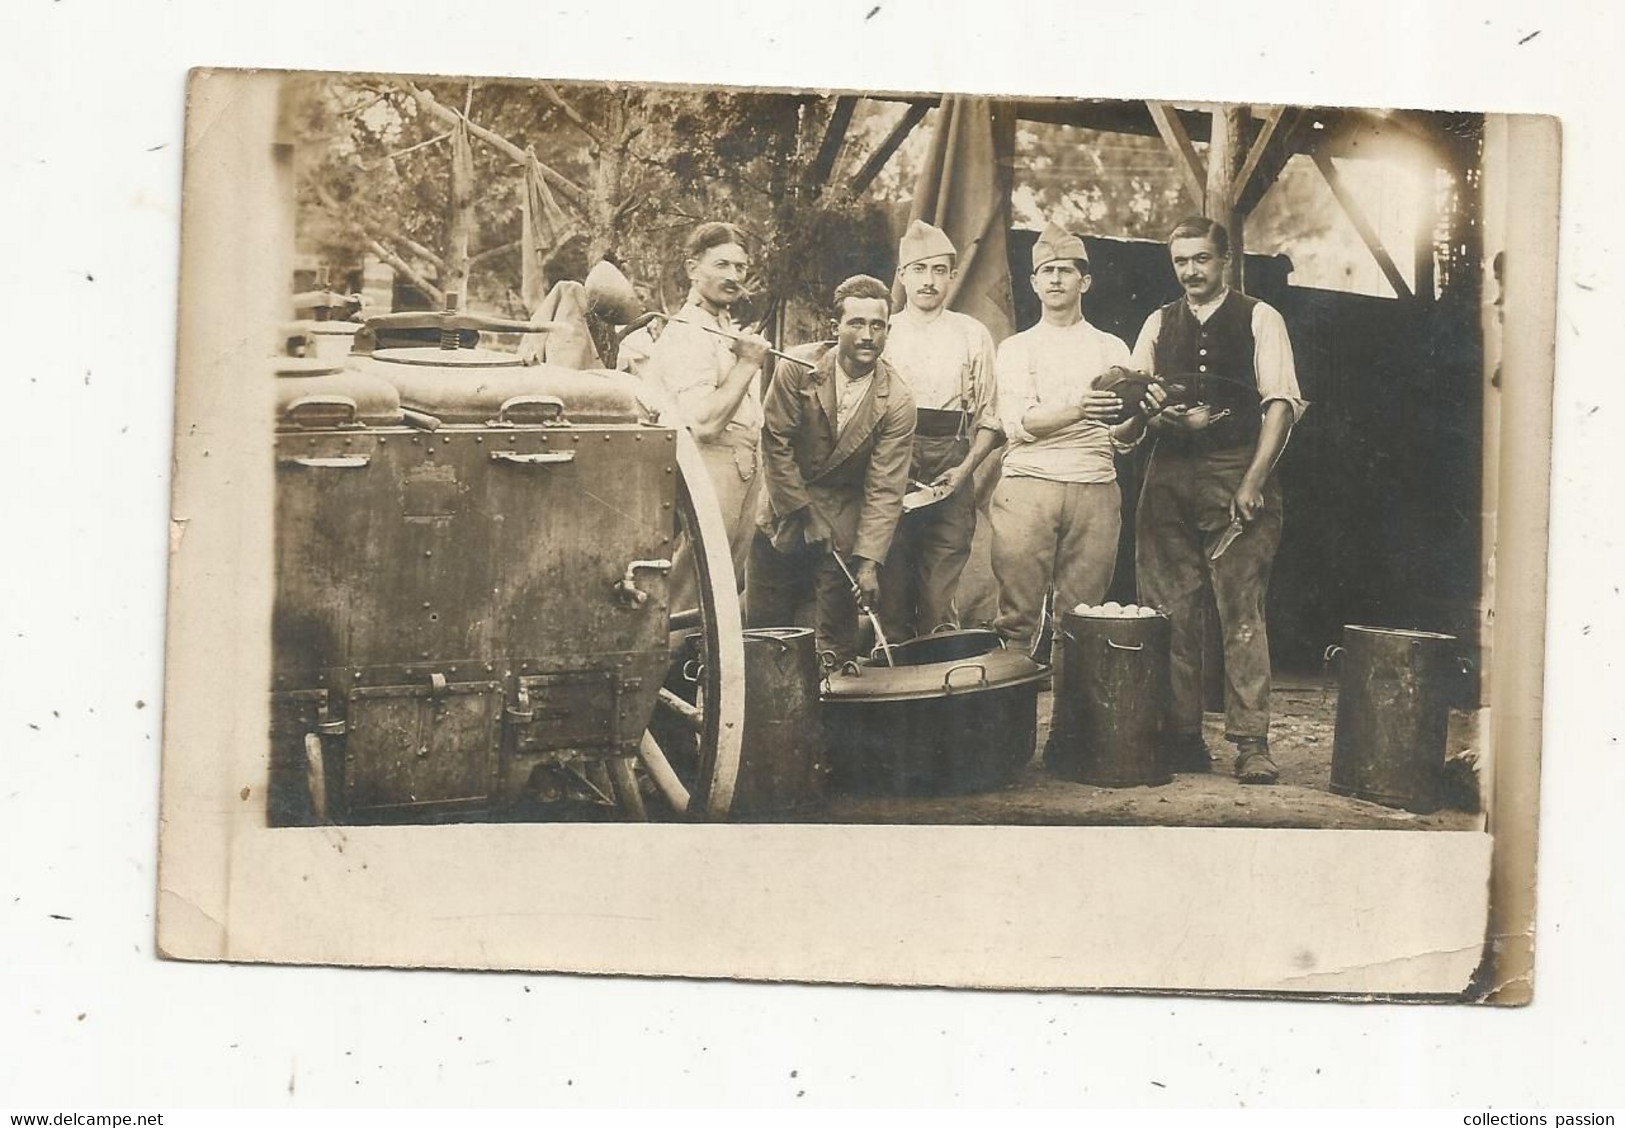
(962, 724)
(1393, 710)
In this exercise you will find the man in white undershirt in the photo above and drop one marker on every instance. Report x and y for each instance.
(1057, 511)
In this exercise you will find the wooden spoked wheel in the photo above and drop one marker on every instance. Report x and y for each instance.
(704, 788)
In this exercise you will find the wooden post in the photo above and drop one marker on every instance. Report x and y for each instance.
(1427, 217)
(1227, 148)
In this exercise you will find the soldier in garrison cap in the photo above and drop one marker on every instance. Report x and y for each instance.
(1213, 467)
(946, 358)
(1057, 511)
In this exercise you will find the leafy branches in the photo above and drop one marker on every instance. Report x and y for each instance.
(632, 170)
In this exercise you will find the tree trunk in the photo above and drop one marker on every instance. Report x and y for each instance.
(460, 226)
(607, 189)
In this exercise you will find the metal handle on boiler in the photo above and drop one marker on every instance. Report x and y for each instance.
(540, 458)
(550, 408)
(337, 462)
(323, 412)
(948, 675)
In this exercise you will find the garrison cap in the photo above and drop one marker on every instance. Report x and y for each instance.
(922, 241)
(1054, 244)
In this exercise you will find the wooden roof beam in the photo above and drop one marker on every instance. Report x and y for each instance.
(834, 137)
(865, 175)
(1179, 144)
(1294, 134)
(1373, 241)
(1272, 118)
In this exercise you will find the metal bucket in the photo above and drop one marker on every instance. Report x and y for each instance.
(1113, 688)
(1393, 708)
(782, 766)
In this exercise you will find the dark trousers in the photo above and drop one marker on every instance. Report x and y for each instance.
(777, 583)
(1184, 508)
(929, 549)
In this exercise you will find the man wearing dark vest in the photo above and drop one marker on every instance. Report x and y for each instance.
(1211, 481)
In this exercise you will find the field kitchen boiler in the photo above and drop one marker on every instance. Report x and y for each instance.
(943, 714)
(471, 616)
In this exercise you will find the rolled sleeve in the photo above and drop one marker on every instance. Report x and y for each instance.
(984, 379)
(1117, 353)
(1144, 356)
(1017, 390)
(1272, 357)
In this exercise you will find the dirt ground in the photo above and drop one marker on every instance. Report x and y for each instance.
(1305, 711)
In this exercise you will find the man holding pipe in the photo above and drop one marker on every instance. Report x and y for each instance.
(836, 441)
(946, 358)
(708, 383)
(1210, 511)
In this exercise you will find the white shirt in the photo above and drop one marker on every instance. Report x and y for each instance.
(849, 393)
(1272, 352)
(1051, 366)
(689, 363)
(947, 361)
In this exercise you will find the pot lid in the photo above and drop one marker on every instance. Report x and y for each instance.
(455, 394)
(430, 356)
(330, 328)
(998, 669)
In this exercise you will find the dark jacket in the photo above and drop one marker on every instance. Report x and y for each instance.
(857, 480)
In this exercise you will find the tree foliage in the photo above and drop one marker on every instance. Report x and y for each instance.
(633, 169)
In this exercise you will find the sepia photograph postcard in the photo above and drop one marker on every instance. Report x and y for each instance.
(859, 536)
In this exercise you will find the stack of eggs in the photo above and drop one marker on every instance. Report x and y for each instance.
(1115, 611)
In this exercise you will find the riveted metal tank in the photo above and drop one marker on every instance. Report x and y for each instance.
(470, 570)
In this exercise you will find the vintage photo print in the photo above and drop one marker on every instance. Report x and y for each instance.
(858, 536)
